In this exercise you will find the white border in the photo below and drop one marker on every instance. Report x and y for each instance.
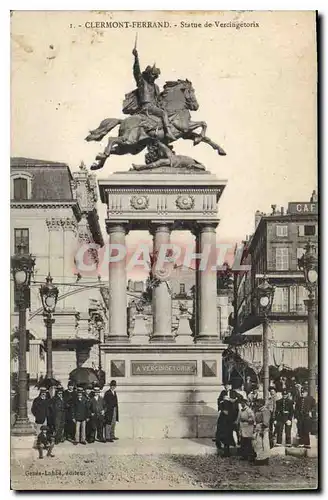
(5, 154)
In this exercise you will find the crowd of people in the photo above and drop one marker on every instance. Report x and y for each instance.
(260, 425)
(77, 414)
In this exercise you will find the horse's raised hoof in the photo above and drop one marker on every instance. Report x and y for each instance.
(101, 156)
(197, 140)
(96, 166)
(221, 152)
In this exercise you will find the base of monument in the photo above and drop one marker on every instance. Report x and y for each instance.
(118, 339)
(162, 338)
(166, 391)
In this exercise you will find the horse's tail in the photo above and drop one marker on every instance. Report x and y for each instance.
(105, 126)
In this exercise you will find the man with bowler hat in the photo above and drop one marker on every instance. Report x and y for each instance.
(111, 412)
(40, 409)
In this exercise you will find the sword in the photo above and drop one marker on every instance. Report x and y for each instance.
(135, 41)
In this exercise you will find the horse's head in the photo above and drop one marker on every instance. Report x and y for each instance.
(190, 96)
(179, 95)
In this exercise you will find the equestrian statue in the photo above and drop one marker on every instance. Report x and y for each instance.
(156, 120)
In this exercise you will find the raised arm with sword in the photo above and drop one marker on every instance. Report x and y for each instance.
(148, 92)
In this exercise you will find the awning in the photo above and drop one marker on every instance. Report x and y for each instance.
(257, 331)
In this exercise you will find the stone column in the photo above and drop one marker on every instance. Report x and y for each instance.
(206, 292)
(117, 300)
(162, 302)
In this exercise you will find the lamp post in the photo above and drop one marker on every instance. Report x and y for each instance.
(22, 266)
(308, 263)
(98, 322)
(265, 293)
(49, 297)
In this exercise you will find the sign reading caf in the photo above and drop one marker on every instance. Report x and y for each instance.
(302, 208)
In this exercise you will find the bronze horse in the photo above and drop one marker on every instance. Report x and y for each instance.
(140, 129)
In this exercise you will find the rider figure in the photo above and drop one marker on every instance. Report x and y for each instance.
(149, 93)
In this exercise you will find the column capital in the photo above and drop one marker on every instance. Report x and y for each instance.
(160, 226)
(204, 227)
(114, 226)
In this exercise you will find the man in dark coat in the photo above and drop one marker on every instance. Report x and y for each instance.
(225, 426)
(97, 413)
(58, 413)
(235, 399)
(80, 413)
(284, 416)
(40, 410)
(69, 398)
(88, 395)
(45, 441)
(111, 412)
(305, 412)
(272, 406)
(248, 385)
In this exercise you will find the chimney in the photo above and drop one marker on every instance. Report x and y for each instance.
(282, 210)
(273, 209)
(314, 197)
(258, 217)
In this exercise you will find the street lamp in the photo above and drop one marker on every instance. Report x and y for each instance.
(98, 322)
(308, 263)
(22, 266)
(49, 297)
(265, 293)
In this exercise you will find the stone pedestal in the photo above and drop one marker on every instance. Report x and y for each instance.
(140, 334)
(166, 392)
(167, 386)
(184, 333)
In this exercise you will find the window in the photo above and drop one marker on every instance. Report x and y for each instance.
(309, 230)
(303, 294)
(21, 241)
(281, 230)
(21, 185)
(280, 299)
(20, 189)
(182, 288)
(282, 263)
(293, 298)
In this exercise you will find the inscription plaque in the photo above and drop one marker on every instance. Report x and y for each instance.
(163, 367)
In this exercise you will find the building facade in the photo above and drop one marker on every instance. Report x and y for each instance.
(53, 215)
(273, 251)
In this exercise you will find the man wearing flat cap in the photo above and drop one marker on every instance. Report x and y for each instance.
(97, 413)
(45, 441)
(284, 416)
(305, 412)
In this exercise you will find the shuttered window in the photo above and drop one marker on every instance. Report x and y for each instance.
(20, 189)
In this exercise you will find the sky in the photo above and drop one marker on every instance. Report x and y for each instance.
(256, 88)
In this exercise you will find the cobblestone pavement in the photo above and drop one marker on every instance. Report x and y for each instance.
(97, 471)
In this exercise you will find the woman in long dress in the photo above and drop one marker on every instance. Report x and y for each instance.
(225, 426)
(246, 420)
(261, 443)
